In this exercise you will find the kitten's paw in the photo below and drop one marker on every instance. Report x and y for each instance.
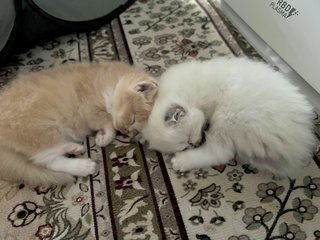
(76, 149)
(103, 139)
(179, 163)
(84, 167)
(139, 138)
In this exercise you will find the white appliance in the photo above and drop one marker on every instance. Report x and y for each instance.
(286, 33)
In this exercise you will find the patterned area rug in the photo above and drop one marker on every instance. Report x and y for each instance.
(135, 194)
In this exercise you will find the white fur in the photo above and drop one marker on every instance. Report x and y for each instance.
(55, 159)
(105, 136)
(255, 114)
(77, 167)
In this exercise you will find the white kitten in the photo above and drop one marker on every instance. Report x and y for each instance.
(255, 114)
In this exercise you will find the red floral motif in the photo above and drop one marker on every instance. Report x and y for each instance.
(44, 232)
(221, 168)
(121, 161)
(186, 48)
(126, 182)
(129, 158)
(189, 48)
(79, 199)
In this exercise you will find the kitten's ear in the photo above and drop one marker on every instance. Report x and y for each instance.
(173, 114)
(147, 88)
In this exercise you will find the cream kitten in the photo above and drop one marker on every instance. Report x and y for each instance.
(254, 113)
(45, 116)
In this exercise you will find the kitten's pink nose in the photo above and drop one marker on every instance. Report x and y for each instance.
(124, 130)
(119, 128)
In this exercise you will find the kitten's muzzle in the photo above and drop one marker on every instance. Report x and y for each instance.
(202, 140)
(124, 131)
(204, 130)
(131, 134)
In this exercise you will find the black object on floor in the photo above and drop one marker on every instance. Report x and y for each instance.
(25, 23)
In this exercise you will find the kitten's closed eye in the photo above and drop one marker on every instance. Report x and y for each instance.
(133, 119)
(126, 129)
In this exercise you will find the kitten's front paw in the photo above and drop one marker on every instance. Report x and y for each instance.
(179, 163)
(76, 149)
(139, 138)
(85, 167)
(103, 139)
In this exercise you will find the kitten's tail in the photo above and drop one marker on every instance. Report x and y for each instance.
(14, 167)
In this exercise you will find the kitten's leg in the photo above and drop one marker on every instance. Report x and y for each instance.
(75, 149)
(204, 156)
(55, 160)
(105, 136)
(139, 138)
(59, 150)
(75, 166)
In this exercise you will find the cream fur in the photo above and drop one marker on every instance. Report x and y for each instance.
(45, 114)
(255, 114)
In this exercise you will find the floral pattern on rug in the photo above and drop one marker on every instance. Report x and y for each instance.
(59, 51)
(164, 33)
(214, 203)
(209, 209)
(132, 204)
(77, 211)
